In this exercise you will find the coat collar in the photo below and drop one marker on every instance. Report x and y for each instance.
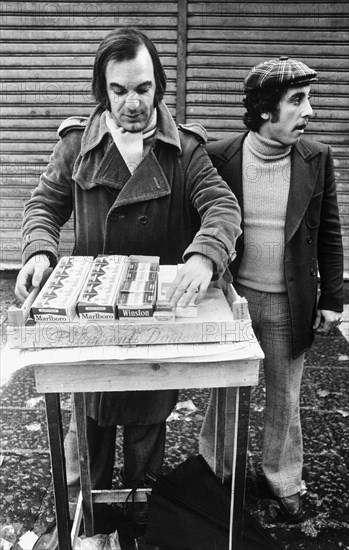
(96, 129)
(304, 170)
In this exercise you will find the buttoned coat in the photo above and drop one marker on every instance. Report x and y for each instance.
(174, 205)
(313, 242)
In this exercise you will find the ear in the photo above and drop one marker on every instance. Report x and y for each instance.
(265, 116)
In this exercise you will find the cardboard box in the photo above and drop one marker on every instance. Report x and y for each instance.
(58, 298)
(99, 294)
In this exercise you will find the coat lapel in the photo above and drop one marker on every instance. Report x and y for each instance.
(304, 170)
(146, 183)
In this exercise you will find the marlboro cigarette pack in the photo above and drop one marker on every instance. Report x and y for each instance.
(138, 290)
(99, 294)
(58, 298)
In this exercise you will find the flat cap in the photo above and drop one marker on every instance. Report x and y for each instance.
(278, 72)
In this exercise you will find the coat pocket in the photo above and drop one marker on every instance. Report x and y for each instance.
(312, 215)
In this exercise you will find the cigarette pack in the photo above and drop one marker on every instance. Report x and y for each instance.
(137, 293)
(58, 298)
(167, 274)
(98, 297)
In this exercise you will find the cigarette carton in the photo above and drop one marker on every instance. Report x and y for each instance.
(58, 298)
(138, 290)
(140, 304)
(98, 297)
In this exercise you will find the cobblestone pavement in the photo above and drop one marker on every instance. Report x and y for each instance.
(27, 501)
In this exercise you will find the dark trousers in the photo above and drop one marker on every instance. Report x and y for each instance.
(143, 450)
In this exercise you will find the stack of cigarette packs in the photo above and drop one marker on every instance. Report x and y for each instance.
(137, 293)
(99, 295)
(58, 297)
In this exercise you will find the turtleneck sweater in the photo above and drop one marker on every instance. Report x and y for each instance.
(266, 182)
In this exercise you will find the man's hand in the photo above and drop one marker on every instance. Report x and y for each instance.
(31, 275)
(196, 274)
(326, 321)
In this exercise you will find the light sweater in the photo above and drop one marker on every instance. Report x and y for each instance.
(266, 182)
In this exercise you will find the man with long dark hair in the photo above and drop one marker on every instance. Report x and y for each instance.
(136, 185)
(286, 189)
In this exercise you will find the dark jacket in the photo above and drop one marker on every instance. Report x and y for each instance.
(312, 230)
(175, 204)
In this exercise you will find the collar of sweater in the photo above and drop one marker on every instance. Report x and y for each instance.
(266, 149)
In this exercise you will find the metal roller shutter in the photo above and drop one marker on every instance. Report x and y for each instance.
(48, 50)
(47, 58)
(225, 39)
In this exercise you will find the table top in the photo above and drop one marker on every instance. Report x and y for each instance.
(120, 368)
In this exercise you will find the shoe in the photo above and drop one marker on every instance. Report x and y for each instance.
(291, 508)
(137, 512)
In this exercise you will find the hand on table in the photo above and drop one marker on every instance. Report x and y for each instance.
(196, 274)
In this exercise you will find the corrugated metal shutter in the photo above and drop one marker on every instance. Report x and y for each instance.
(225, 39)
(47, 58)
(48, 50)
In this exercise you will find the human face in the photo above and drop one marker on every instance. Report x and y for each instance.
(131, 91)
(294, 111)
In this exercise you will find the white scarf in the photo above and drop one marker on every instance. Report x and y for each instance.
(130, 144)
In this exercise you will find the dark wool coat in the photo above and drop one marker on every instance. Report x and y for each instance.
(312, 230)
(174, 205)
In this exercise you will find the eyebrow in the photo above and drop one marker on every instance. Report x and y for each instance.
(117, 85)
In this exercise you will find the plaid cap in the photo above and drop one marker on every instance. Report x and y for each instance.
(278, 72)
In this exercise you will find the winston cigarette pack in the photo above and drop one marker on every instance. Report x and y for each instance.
(58, 298)
(137, 293)
(98, 297)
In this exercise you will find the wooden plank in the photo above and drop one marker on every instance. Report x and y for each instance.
(235, 85)
(125, 333)
(262, 8)
(55, 434)
(84, 463)
(71, 48)
(154, 376)
(72, 60)
(326, 116)
(128, 332)
(241, 21)
(119, 495)
(225, 73)
(313, 51)
(246, 61)
(271, 36)
(19, 315)
(64, 20)
(61, 73)
(36, 32)
(232, 95)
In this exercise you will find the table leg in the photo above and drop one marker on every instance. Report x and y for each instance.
(85, 475)
(55, 434)
(220, 429)
(240, 445)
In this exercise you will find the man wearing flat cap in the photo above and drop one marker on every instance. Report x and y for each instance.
(291, 232)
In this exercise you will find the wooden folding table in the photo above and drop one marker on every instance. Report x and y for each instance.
(229, 366)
